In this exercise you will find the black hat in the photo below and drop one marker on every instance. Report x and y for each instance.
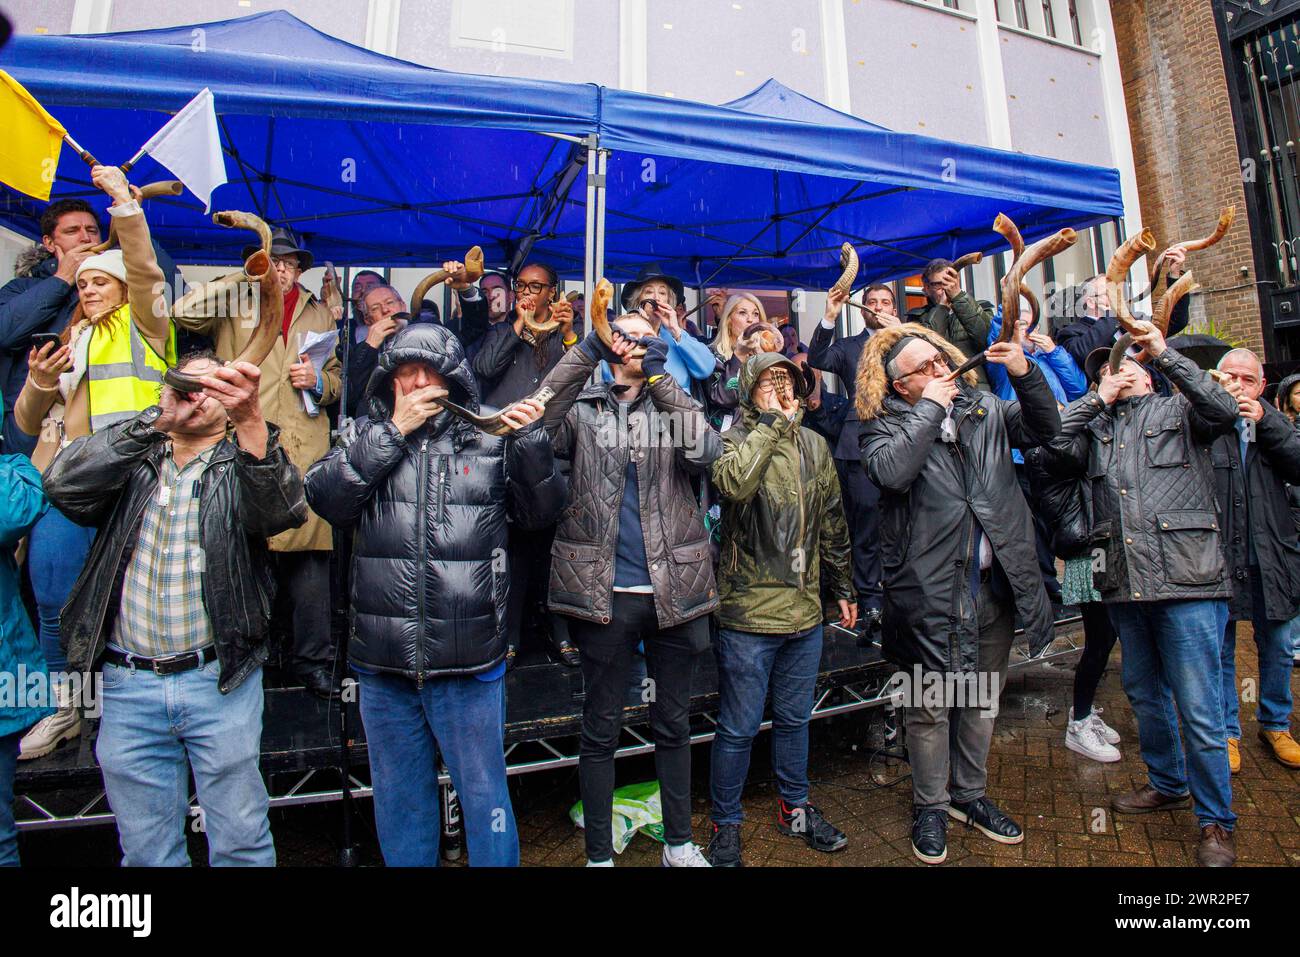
(649, 273)
(284, 243)
(1095, 361)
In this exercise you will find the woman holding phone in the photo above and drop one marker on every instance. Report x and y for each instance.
(104, 368)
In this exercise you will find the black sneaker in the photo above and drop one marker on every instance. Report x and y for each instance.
(930, 835)
(807, 822)
(985, 816)
(724, 846)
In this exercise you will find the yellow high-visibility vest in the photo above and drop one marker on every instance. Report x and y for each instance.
(124, 373)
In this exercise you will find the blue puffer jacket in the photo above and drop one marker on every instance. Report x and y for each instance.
(22, 502)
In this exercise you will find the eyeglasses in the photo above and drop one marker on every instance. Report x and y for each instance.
(929, 366)
(533, 287)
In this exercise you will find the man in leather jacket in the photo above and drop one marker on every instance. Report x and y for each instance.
(957, 548)
(1159, 566)
(631, 563)
(174, 607)
(428, 496)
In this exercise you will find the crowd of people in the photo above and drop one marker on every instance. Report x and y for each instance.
(651, 494)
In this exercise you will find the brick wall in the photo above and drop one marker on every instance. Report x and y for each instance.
(1185, 150)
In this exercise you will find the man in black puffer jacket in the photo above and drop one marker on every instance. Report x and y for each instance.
(428, 496)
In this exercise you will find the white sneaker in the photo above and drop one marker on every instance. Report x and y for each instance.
(1085, 738)
(688, 855)
(1106, 731)
(46, 735)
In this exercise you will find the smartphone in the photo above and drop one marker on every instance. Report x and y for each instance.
(39, 339)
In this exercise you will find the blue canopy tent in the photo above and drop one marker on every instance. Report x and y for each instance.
(374, 159)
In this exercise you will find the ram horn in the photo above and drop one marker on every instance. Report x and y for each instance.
(1164, 309)
(166, 187)
(848, 260)
(493, 424)
(473, 268)
(1159, 272)
(1117, 271)
(970, 259)
(270, 300)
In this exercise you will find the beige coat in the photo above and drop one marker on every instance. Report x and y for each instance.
(39, 411)
(304, 438)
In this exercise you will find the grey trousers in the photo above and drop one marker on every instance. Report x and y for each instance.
(946, 743)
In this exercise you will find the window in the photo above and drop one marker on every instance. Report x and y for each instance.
(1075, 33)
(1049, 21)
(1022, 15)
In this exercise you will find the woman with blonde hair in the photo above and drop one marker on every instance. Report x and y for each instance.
(741, 311)
(106, 367)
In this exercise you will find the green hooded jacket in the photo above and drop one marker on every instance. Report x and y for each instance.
(783, 524)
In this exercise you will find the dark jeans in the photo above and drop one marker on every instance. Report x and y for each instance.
(948, 745)
(1098, 642)
(606, 668)
(1174, 681)
(8, 830)
(57, 551)
(1273, 641)
(861, 509)
(303, 596)
(749, 665)
(1042, 539)
(406, 727)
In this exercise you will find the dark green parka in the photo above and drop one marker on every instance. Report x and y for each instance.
(783, 523)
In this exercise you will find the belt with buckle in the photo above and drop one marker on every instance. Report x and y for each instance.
(167, 665)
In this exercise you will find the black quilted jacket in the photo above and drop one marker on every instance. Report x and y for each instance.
(665, 430)
(429, 512)
(1156, 532)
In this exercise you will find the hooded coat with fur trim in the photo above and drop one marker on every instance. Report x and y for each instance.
(430, 511)
(933, 497)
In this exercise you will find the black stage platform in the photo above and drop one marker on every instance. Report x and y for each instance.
(304, 760)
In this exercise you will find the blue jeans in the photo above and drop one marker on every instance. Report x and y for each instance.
(406, 726)
(1173, 676)
(8, 829)
(750, 665)
(151, 728)
(1274, 641)
(56, 553)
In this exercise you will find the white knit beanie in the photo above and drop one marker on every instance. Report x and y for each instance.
(110, 262)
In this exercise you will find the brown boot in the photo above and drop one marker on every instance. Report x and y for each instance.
(1218, 849)
(1283, 746)
(1146, 799)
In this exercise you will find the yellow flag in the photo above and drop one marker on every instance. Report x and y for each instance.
(29, 147)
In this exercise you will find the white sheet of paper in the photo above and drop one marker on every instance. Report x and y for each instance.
(317, 347)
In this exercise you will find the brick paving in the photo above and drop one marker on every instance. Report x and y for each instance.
(1059, 797)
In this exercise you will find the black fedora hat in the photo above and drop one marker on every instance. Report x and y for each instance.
(284, 243)
(649, 273)
(1097, 359)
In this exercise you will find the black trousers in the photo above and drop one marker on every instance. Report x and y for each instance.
(1042, 539)
(528, 623)
(1099, 639)
(607, 652)
(861, 509)
(303, 599)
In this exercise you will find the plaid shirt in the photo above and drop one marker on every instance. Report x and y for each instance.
(162, 595)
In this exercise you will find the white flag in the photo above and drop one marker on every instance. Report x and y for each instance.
(190, 147)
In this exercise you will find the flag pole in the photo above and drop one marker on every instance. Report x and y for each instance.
(86, 156)
(126, 167)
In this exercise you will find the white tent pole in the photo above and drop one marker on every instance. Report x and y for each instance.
(602, 157)
(589, 275)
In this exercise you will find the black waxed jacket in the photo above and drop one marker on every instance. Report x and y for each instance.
(931, 495)
(665, 429)
(1156, 532)
(106, 479)
(428, 513)
(1254, 503)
